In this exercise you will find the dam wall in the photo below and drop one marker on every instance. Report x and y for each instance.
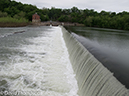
(93, 78)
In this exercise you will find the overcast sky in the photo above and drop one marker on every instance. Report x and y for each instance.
(97, 5)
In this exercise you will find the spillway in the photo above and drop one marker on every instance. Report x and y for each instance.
(92, 77)
(35, 63)
(44, 61)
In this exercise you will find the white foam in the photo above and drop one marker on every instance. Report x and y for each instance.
(45, 69)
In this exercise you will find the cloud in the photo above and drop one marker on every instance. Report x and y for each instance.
(98, 5)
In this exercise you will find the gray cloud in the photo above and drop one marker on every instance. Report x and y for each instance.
(98, 5)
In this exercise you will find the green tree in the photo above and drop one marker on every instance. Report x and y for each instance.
(3, 14)
(45, 11)
(75, 10)
(63, 18)
(66, 11)
(88, 21)
(54, 13)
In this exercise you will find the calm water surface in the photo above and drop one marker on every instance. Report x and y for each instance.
(110, 47)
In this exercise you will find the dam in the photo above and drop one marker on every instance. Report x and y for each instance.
(93, 78)
(49, 61)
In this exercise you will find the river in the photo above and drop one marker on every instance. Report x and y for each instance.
(34, 62)
(109, 46)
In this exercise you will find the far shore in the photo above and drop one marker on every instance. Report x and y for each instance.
(48, 23)
(56, 23)
(13, 24)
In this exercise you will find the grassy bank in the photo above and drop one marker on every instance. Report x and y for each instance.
(13, 22)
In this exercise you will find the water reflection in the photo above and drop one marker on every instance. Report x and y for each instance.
(103, 36)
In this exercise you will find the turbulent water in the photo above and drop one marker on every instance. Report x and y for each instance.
(35, 61)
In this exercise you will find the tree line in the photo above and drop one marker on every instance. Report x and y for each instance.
(88, 17)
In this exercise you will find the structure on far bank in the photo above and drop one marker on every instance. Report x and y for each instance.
(35, 18)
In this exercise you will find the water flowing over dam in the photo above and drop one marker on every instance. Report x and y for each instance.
(93, 78)
(49, 61)
(35, 63)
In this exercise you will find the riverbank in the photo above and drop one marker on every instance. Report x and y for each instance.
(55, 23)
(13, 24)
(39, 24)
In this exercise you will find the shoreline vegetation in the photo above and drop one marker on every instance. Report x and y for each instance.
(21, 15)
(13, 22)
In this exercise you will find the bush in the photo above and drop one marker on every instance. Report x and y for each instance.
(12, 20)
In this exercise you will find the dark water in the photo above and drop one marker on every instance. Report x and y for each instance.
(110, 47)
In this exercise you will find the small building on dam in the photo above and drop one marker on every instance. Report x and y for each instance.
(36, 18)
